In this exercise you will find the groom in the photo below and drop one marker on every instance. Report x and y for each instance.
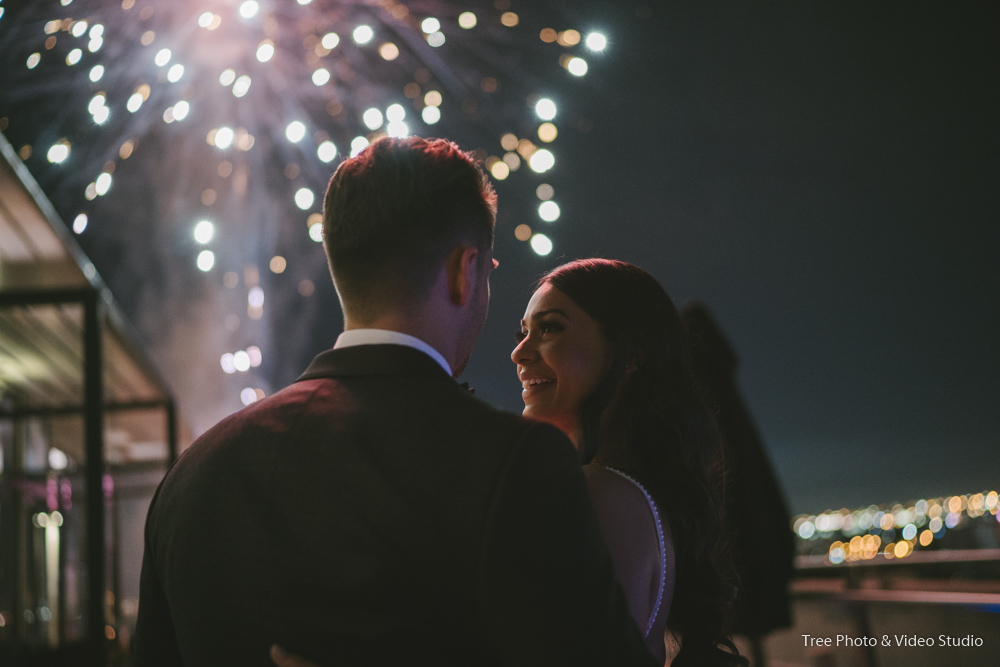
(375, 512)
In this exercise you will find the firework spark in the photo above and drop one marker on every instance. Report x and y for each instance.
(202, 134)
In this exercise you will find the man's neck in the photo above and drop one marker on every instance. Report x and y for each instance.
(389, 323)
(416, 328)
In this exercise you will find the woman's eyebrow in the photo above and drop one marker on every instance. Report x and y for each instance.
(542, 313)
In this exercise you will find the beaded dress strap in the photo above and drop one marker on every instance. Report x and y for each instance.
(663, 548)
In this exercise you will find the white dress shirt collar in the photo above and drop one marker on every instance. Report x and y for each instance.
(386, 337)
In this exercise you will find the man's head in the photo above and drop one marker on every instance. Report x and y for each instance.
(394, 218)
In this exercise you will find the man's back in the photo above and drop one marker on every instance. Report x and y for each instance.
(375, 513)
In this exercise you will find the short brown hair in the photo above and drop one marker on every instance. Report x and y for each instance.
(393, 212)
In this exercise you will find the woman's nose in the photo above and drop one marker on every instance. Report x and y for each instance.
(524, 351)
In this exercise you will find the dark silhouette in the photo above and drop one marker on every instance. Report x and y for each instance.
(762, 540)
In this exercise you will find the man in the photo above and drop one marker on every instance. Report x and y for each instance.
(374, 512)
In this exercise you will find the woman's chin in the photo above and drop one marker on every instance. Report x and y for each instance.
(539, 414)
(531, 411)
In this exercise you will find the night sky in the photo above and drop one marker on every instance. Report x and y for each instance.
(823, 176)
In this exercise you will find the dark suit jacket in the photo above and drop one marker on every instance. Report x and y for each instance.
(375, 513)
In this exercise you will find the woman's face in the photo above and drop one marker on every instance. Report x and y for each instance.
(561, 358)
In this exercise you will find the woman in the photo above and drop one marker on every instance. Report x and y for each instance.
(602, 355)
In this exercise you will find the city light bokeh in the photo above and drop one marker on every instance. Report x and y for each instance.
(899, 530)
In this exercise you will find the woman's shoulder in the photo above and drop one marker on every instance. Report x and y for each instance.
(615, 491)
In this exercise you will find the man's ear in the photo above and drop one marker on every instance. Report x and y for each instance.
(462, 273)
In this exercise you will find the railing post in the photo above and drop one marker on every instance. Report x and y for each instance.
(171, 432)
(93, 401)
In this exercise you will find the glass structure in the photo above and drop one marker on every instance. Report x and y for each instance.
(87, 428)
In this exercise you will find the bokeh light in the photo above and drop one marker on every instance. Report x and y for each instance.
(397, 128)
(206, 260)
(103, 183)
(241, 360)
(548, 211)
(430, 115)
(372, 118)
(395, 113)
(295, 131)
(388, 51)
(321, 77)
(577, 66)
(568, 37)
(255, 297)
(249, 9)
(541, 161)
(304, 198)
(265, 51)
(204, 231)
(545, 108)
(241, 86)
(327, 151)
(162, 57)
(541, 244)
(316, 232)
(358, 144)
(500, 170)
(224, 137)
(363, 34)
(596, 41)
(433, 98)
(58, 153)
(330, 41)
(181, 110)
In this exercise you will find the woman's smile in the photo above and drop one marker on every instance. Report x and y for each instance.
(561, 357)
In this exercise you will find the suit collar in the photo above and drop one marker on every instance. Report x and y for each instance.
(354, 337)
(372, 360)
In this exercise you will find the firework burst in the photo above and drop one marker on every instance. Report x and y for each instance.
(201, 134)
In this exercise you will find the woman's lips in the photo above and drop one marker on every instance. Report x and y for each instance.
(535, 385)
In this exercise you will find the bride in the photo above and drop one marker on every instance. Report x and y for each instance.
(603, 356)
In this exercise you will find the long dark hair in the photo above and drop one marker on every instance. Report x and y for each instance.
(660, 431)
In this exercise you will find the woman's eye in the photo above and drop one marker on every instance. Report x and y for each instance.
(541, 327)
